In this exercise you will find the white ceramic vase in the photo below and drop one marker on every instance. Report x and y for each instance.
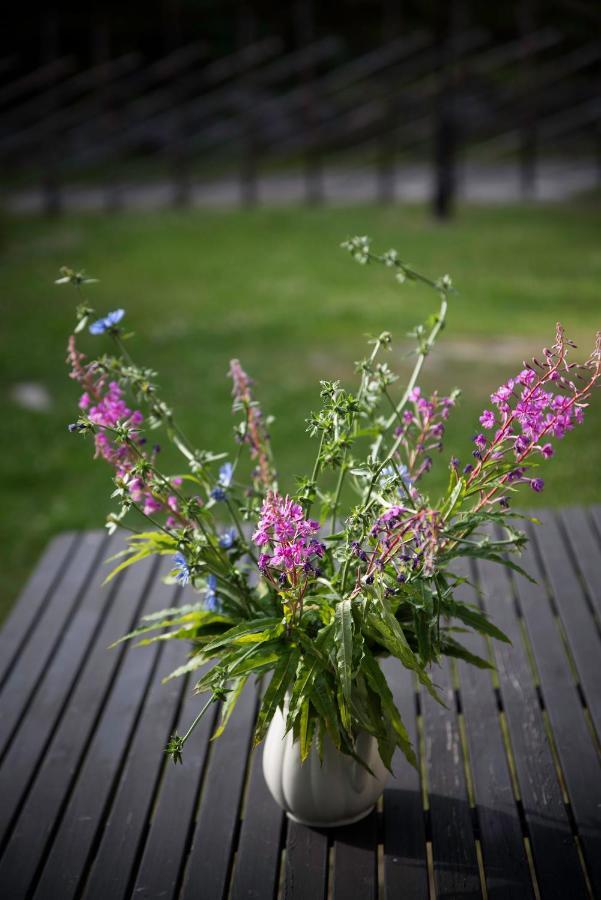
(338, 791)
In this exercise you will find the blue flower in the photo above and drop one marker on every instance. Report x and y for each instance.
(228, 538)
(225, 474)
(402, 470)
(182, 569)
(108, 322)
(225, 479)
(211, 601)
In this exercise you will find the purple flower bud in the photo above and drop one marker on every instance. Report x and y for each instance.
(487, 419)
(537, 484)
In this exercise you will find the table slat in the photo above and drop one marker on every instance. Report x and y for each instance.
(355, 859)
(55, 770)
(503, 851)
(43, 713)
(453, 841)
(575, 615)
(405, 866)
(88, 805)
(579, 526)
(556, 862)
(35, 595)
(256, 872)
(213, 845)
(115, 861)
(38, 653)
(306, 863)
(577, 754)
(161, 868)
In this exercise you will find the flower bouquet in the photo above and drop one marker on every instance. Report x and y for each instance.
(313, 585)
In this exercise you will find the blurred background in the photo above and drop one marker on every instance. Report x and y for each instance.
(205, 159)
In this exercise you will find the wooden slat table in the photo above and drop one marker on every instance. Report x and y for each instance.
(507, 802)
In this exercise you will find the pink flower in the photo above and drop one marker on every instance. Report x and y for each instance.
(291, 536)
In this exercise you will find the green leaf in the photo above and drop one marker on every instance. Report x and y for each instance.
(450, 647)
(475, 618)
(242, 631)
(194, 663)
(276, 691)
(321, 698)
(306, 731)
(343, 631)
(229, 704)
(391, 635)
(305, 674)
(378, 683)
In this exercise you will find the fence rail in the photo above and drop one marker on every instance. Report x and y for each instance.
(176, 119)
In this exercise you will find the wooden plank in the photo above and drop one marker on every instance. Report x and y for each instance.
(213, 842)
(167, 842)
(505, 862)
(570, 601)
(585, 545)
(453, 841)
(558, 871)
(355, 860)
(45, 768)
(257, 866)
(405, 866)
(24, 615)
(306, 863)
(28, 672)
(90, 799)
(577, 754)
(122, 839)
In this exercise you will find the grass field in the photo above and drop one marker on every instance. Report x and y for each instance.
(274, 289)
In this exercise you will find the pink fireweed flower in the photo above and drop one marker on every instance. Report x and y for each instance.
(404, 542)
(105, 405)
(291, 539)
(422, 430)
(255, 434)
(545, 400)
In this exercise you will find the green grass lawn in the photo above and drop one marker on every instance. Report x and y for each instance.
(273, 288)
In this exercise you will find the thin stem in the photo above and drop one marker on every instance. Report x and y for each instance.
(195, 722)
(240, 531)
(316, 468)
(353, 424)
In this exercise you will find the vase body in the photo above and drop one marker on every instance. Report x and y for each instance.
(336, 792)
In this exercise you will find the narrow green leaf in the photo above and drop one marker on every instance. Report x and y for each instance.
(276, 691)
(475, 618)
(378, 683)
(450, 647)
(343, 631)
(229, 704)
(243, 630)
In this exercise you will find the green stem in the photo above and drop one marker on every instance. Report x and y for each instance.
(316, 468)
(196, 721)
(240, 531)
(353, 424)
(426, 347)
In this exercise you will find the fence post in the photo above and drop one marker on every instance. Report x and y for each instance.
(51, 190)
(444, 121)
(528, 154)
(247, 28)
(304, 20)
(387, 144)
